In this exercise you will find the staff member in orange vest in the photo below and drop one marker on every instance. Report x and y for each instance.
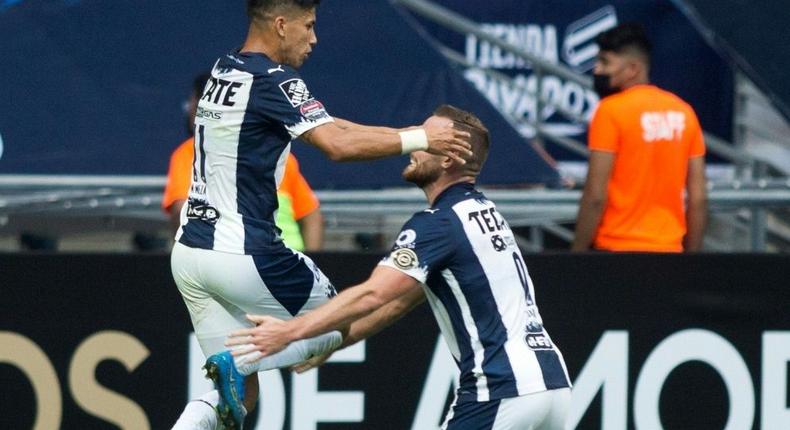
(645, 188)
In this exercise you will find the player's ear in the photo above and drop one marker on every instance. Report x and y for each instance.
(279, 23)
(634, 67)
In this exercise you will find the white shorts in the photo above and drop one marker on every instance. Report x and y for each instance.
(219, 289)
(545, 410)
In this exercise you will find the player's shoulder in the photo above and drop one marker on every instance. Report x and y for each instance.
(429, 220)
(256, 64)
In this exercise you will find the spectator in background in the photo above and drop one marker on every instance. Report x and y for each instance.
(646, 149)
(299, 216)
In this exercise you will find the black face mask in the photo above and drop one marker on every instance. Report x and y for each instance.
(603, 86)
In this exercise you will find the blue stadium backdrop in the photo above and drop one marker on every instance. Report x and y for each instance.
(96, 87)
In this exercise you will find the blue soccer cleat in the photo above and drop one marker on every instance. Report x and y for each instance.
(221, 369)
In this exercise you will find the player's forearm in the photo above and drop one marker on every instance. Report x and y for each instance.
(349, 306)
(383, 317)
(358, 145)
(346, 124)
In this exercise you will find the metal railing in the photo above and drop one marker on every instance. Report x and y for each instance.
(382, 212)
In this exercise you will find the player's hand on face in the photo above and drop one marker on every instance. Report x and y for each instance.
(270, 335)
(444, 139)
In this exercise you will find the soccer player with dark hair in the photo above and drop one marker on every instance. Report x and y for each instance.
(645, 187)
(461, 254)
(229, 258)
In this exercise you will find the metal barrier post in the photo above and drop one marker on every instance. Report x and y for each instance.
(757, 229)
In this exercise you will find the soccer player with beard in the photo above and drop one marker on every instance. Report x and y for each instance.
(461, 254)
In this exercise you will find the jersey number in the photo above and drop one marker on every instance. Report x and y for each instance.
(199, 170)
(521, 268)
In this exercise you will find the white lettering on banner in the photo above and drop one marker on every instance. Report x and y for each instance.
(516, 99)
(441, 380)
(606, 369)
(309, 406)
(667, 125)
(540, 41)
(579, 49)
(694, 345)
(776, 354)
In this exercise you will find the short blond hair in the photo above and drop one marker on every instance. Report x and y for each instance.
(480, 139)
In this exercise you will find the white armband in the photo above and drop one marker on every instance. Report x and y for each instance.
(413, 140)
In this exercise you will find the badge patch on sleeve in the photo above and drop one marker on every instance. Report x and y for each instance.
(404, 258)
(295, 91)
(313, 110)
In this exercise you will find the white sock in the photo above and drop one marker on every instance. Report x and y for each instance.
(200, 414)
(297, 352)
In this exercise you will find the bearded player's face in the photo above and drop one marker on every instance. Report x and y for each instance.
(423, 168)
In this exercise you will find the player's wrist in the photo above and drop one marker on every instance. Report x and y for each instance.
(413, 140)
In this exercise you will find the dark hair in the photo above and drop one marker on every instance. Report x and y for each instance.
(260, 9)
(479, 139)
(199, 84)
(624, 37)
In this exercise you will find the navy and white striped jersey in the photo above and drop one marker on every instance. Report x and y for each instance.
(250, 110)
(477, 284)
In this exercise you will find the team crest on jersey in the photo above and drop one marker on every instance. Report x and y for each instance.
(499, 243)
(202, 211)
(404, 258)
(295, 91)
(406, 238)
(313, 110)
(538, 341)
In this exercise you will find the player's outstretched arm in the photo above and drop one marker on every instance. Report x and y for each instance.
(271, 335)
(356, 143)
(384, 317)
(370, 325)
(346, 124)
